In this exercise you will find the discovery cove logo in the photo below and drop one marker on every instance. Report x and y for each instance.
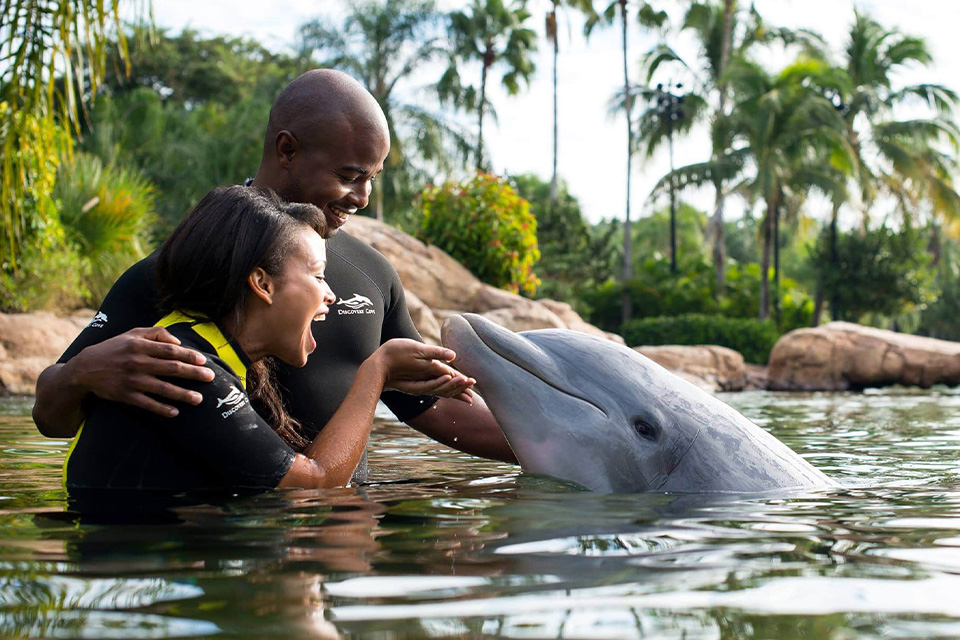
(99, 320)
(357, 305)
(235, 400)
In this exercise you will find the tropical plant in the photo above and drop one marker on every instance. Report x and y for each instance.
(912, 161)
(385, 44)
(723, 32)
(494, 34)
(648, 16)
(880, 271)
(487, 227)
(40, 43)
(183, 152)
(787, 139)
(107, 212)
(552, 33)
(568, 255)
(754, 339)
(939, 320)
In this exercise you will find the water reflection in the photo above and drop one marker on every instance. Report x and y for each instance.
(443, 545)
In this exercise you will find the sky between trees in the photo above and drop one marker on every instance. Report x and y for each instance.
(592, 142)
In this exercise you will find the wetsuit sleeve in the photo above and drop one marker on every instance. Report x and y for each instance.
(398, 324)
(229, 436)
(129, 304)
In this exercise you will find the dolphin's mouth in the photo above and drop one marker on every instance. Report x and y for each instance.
(522, 354)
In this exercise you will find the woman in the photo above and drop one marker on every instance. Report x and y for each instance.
(242, 278)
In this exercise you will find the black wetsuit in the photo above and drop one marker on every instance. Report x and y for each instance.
(219, 444)
(370, 309)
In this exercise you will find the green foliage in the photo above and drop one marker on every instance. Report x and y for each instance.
(573, 256)
(385, 44)
(939, 320)
(655, 291)
(107, 212)
(182, 152)
(876, 271)
(494, 34)
(39, 43)
(487, 227)
(50, 277)
(651, 234)
(189, 70)
(752, 338)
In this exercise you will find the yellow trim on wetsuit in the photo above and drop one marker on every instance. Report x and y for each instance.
(206, 330)
(212, 334)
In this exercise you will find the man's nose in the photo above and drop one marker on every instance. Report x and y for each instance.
(360, 194)
(329, 297)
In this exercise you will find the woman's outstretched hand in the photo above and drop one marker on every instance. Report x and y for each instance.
(422, 369)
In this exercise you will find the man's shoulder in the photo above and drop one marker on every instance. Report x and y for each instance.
(142, 276)
(358, 253)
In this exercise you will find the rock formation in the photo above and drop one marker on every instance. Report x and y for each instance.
(841, 355)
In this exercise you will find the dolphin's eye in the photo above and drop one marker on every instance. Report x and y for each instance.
(646, 430)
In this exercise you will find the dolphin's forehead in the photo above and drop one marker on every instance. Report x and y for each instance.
(605, 368)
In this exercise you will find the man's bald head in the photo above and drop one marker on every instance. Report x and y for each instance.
(326, 141)
(322, 103)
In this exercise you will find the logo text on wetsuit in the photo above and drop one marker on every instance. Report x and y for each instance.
(99, 320)
(357, 305)
(235, 400)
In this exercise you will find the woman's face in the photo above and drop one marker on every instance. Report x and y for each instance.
(302, 295)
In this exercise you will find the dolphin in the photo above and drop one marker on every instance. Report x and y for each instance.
(599, 414)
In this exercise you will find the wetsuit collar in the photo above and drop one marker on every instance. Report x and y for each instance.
(227, 348)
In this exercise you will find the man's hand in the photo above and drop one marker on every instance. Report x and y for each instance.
(125, 369)
(421, 369)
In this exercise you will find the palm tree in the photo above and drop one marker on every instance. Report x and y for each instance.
(383, 43)
(897, 158)
(648, 16)
(723, 32)
(586, 6)
(787, 138)
(40, 43)
(494, 34)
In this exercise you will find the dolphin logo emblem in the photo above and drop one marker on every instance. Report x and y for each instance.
(233, 398)
(356, 302)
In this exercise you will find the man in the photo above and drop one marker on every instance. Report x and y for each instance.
(325, 143)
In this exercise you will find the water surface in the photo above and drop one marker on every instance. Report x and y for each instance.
(444, 545)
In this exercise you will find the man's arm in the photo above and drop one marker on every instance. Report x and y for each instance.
(117, 361)
(124, 368)
(468, 428)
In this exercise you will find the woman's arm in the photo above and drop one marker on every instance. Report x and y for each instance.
(405, 365)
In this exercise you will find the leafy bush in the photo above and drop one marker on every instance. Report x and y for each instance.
(49, 276)
(879, 271)
(655, 291)
(107, 212)
(487, 227)
(752, 338)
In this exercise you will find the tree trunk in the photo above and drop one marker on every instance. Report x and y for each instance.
(765, 260)
(776, 265)
(626, 306)
(716, 228)
(378, 202)
(834, 262)
(483, 100)
(717, 232)
(552, 33)
(818, 301)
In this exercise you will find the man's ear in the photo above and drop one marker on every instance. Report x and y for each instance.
(262, 284)
(287, 147)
